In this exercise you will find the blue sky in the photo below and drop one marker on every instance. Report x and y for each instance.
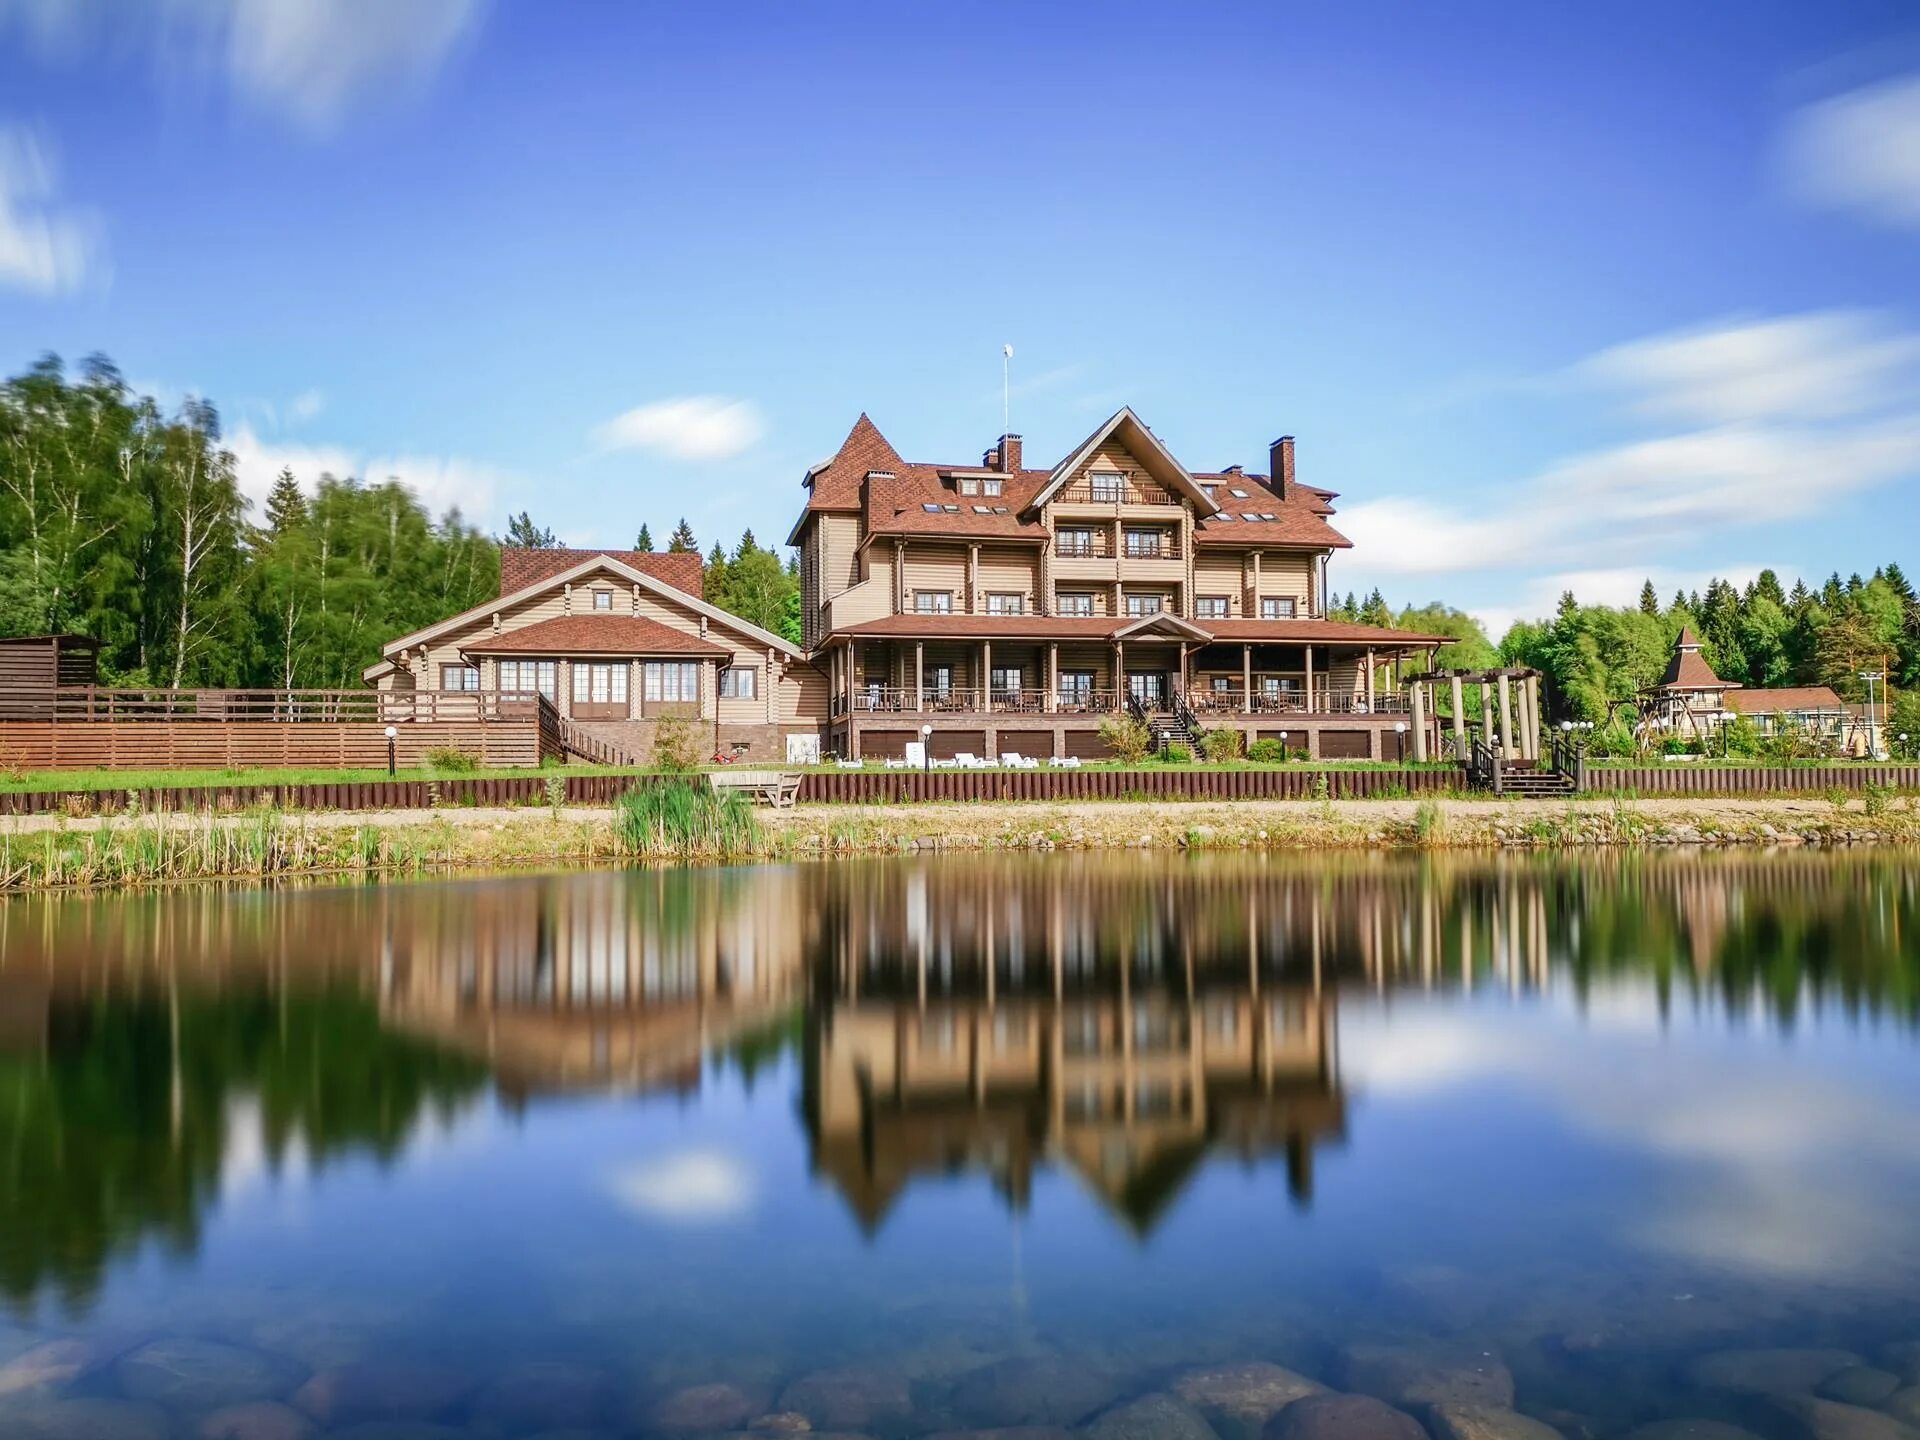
(1551, 295)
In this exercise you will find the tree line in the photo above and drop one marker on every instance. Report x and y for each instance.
(128, 524)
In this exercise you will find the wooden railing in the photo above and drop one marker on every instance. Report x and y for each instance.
(1084, 493)
(974, 700)
(95, 704)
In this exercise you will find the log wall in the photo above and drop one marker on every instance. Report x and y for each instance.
(249, 744)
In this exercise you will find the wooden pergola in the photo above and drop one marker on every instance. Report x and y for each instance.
(1509, 698)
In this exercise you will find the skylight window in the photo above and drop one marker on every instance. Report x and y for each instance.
(1223, 517)
(930, 508)
(999, 509)
(1268, 515)
(1248, 515)
(1238, 493)
(953, 509)
(983, 509)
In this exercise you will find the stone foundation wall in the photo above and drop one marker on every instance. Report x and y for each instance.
(763, 742)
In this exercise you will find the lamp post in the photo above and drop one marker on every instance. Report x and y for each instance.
(1283, 747)
(926, 751)
(392, 735)
(1873, 730)
(1400, 741)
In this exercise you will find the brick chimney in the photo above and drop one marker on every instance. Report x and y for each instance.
(1280, 466)
(1005, 456)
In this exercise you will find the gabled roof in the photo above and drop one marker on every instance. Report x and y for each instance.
(596, 560)
(521, 566)
(1787, 699)
(595, 635)
(1143, 445)
(1163, 623)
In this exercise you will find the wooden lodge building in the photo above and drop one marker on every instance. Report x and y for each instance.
(1692, 702)
(1001, 608)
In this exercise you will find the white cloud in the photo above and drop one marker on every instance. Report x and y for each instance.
(1540, 594)
(691, 427)
(693, 1185)
(306, 405)
(1804, 367)
(310, 60)
(1791, 414)
(1859, 151)
(442, 482)
(44, 249)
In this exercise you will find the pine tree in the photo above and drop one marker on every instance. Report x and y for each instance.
(1649, 600)
(286, 506)
(523, 534)
(715, 580)
(681, 542)
(644, 544)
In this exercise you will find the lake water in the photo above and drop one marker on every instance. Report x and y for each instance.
(956, 1143)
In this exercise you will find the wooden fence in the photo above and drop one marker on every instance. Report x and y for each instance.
(893, 787)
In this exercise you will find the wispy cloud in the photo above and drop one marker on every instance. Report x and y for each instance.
(45, 248)
(311, 61)
(1859, 151)
(690, 1186)
(1788, 414)
(689, 427)
(306, 405)
(442, 482)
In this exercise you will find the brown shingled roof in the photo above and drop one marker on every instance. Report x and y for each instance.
(1787, 697)
(521, 567)
(1102, 627)
(1688, 669)
(594, 635)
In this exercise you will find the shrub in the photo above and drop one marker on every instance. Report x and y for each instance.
(1878, 799)
(1267, 752)
(1129, 740)
(1222, 743)
(1679, 745)
(1741, 737)
(1429, 822)
(675, 746)
(451, 760)
(1178, 754)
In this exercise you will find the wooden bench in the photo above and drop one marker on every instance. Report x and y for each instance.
(777, 788)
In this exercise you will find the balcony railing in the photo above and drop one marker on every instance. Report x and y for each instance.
(90, 704)
(1291, 701)
(974, 700)
(1087, 494)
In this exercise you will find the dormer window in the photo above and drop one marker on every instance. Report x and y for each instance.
(992, 487)
(969, 487)
(1108, 488)
(603, 599)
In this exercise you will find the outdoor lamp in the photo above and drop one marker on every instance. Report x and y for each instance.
(1565, 726)
(1400, 739)
(392, 735)
(1283, 747)
(926, 755)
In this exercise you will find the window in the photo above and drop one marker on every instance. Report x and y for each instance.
(671, 682)
(1074, 542)
(603, 599)
(1276, 607)
(1221, 684)
(999, 604)
(1005, 682)
(459, 677)
(600, 684)
(930, 507)
(933, 602)
(1078, 602)
(1146, 542)
(939, 679)
(1076, 688)
(1238, 493)
(524, 675)
(1145, 604)
(739, 682)
(1210, 607)
(1108, 489)
(969, 487)
(992, 487)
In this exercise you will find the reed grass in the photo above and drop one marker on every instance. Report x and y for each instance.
(683, 821)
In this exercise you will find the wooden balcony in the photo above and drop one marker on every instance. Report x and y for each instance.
(972, 700)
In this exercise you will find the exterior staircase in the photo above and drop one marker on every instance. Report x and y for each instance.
(1532, 781)
(1171, 727)
(578, 741)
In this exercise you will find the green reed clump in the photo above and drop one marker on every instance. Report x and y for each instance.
(1430, 822)
(681, 820)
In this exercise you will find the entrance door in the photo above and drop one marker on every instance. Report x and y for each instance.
(1149, 687)
(600, 690)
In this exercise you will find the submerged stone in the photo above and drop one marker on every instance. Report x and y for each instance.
(852, 1397)
(1032, 1390)
(1417, 1376)
(1238, 1400)
(56, 1363)
(554, 1393)
(259, 1420)
(1830, 1420)
(1767, 1372)
(1343, 1417)
(1904, 1405)
(1485, 1422)
(1903, 1358)
(85, 1419)
(1689, 1430)
(1151, 1417)
(1858, 1385)
(187, 1374)
(381, 1390)
(704, 1409)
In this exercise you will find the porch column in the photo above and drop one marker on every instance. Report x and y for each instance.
(1309, 679)
(1459, 713)
(1120, 674)
(1051, 702)
(919, 675)
(1526, 725)
(1371, 704)
(986, 673)
(1533, 715)
(1416, 704)
(1506, 715)
(1183, 669)
(1486, 712)
(1246, 679)
(853, 677)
